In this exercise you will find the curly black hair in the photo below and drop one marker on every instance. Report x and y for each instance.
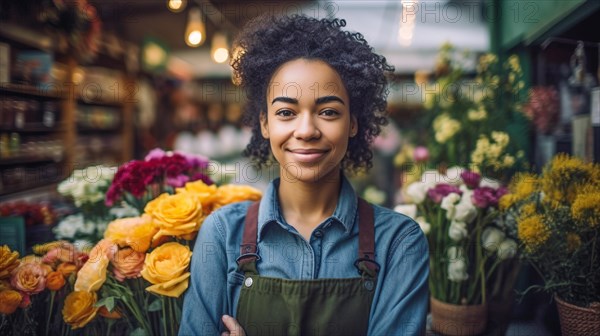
(267, 42)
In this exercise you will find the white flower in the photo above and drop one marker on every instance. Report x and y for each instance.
(457, 267)
(453, 175)
(457, 271)
(409, 210)
(491, 238)
(431, 177)
(68, 227)
(457, 230)
(124, 211)
(507, 249)
(417, 191)
(448, 204)
(489, 182)
(425, 227)
(465, 210)
(83, 245)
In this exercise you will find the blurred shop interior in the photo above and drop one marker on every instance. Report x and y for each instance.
(85, 83)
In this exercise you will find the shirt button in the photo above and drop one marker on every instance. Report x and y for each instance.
(369, 285)
(248, 282)
(318, 233)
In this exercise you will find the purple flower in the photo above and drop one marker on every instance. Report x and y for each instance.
(177, 181)
(471, 179)
(203, 177)
(156, 153)
(195, 161)
(442, 190)
(485, 196)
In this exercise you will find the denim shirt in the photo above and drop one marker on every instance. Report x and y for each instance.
(401, 297)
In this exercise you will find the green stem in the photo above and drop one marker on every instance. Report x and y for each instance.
(164, 325)
(52, 293)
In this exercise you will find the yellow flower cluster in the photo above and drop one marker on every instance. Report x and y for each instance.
(586, 207)
(9, 260)
(166, 268)
(178, 215)
(492, 153)
(566, 177)
(445, 127)
(533, 232)
(477, 114)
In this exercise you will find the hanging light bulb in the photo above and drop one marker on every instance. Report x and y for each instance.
(218, 49)
(176, 6)
(195, 32)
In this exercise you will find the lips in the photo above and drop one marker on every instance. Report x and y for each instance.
(308, 155)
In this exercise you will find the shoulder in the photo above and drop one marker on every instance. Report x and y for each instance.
(226, 220)
(388, 219)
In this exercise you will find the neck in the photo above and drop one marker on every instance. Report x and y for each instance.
(306, 204)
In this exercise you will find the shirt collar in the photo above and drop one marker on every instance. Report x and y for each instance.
(345, 211)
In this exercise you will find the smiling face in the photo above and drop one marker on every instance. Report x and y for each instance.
(308, 121)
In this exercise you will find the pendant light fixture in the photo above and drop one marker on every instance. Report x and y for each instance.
(176, 6)
(195, 31)
(219, 50)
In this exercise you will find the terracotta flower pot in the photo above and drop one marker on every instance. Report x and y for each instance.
(457, 320)
(575, 320)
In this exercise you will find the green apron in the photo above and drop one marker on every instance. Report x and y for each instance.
(274, 306)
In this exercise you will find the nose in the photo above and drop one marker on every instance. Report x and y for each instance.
(307, 128)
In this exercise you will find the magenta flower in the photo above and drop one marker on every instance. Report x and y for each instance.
(485, 196)
(471, 179)
(442, 190)
(156, 153)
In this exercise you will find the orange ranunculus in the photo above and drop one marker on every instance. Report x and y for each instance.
(177, 215)
(4, 285)
(167, 269)
(29, 278)
(55, 280)
(92, 275)
(9, 301)
(135, 232)
(127, 263)
(114, 315)
(79, 308)
(203, 191)
(232, 193)
(9, 260)
(62, 252)
(66, 269)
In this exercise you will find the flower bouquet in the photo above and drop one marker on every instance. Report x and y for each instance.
(557, 214)
(140, 181)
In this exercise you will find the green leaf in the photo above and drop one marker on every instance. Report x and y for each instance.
(138, 332)
(109, 302)
(155, 306)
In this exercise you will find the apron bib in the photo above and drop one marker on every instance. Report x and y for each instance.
(275, 306)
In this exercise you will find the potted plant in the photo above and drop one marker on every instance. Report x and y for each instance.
(557, 214)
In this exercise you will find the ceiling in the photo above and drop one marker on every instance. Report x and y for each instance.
(424, 24)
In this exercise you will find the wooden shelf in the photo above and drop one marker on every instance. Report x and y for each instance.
(27, 36)
(35, 128)
(42, 90)
(18, 160)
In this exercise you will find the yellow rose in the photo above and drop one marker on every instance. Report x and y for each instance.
(79, 309)
(93, 273)
(136, 232)
(152, 205)
(29, 278)
(202, 191)
(9, 260)
(232, 193)
(9, 301)
(177, 215)
(166, 268)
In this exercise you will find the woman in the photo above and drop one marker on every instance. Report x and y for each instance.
(309, 258)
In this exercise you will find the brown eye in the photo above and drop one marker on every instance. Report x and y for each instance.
(329, 113)
(284, 113)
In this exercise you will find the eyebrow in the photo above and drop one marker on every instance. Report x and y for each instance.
(320, 100)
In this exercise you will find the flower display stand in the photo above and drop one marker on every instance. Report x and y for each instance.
(458, 320)
(575, 320)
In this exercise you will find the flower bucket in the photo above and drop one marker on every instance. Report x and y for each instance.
(575, 320)
(499, 315)
(457, 320)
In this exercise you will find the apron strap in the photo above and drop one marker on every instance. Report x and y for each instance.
(366, 240)
(248, 248)
(365, 263)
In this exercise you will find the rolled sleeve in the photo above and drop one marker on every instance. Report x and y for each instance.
(205, 300)
(401, 307)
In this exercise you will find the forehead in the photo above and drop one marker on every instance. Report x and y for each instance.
(312, 76)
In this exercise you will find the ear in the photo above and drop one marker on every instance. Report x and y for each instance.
(353, 126)
(264, 126)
